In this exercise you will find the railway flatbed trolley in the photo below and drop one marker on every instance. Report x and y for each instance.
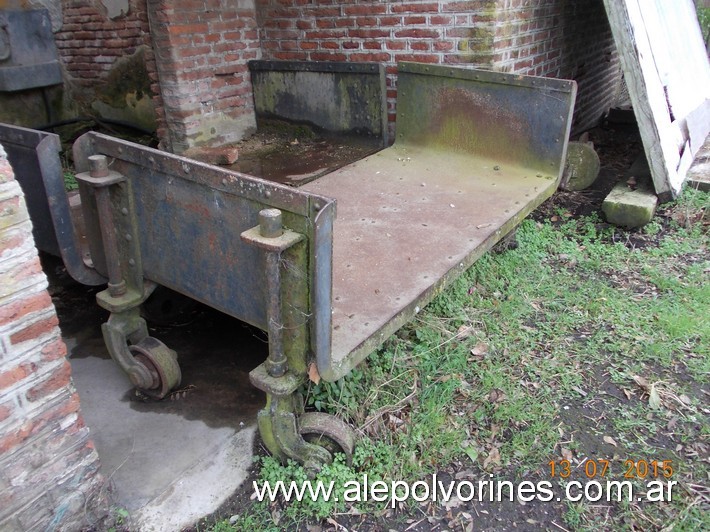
(330, 268)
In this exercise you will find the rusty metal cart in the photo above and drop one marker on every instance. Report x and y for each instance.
(475, 152)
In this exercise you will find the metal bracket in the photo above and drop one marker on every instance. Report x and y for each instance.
(278, 423)
(125, 332)
(121, 329)
(278, 426)
(119, 232)
(270, 236)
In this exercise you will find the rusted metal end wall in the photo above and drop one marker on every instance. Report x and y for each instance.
(337, 97)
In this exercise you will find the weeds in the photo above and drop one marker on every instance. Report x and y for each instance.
(584, 341)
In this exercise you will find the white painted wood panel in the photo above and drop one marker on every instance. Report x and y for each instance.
(668, 75)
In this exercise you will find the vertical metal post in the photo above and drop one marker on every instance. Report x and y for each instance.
(98, 167)
(270, 226)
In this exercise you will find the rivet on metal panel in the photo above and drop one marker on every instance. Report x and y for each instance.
(131, 262)
(120, 150)
(129, 237)
(267, 194)
(224, 182)
(151, 159)
(317, 206)
(124, 211)
(557, 140)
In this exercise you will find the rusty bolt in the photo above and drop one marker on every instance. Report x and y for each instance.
(98, 166)
(270, 225)
(117, 289)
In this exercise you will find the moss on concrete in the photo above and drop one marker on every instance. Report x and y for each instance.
(629, 208)
(126, 94)
(582, 166)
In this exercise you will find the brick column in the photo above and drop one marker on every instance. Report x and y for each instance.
(201, 53)
(49, 469)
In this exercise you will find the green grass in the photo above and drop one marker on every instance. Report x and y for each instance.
(70, 182)
(575, 315)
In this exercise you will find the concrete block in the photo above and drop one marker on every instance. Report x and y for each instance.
(699, 176)
(581, 167)
(629, 208)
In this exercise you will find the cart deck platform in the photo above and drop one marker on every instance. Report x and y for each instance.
(409, 220)
(475, 152)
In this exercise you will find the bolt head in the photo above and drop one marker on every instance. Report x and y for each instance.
(270, 224)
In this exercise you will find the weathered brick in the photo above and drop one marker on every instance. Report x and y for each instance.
(16, 309)
(5, 412)
(418, 33)
(428, 7)
(59, 379)
(35, 330)
(12, 210)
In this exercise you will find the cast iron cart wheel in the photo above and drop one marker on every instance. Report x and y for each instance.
(161, 362)
(329, 432)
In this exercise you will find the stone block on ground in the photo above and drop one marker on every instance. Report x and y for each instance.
(699, 176)
(630, 208)
(581, 167)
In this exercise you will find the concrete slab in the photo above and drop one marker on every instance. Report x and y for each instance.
(174, 461)
(628, 207)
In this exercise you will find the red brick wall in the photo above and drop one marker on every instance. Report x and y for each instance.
(202, 48)
(438, 31)
(202, 86)
(48, 466)
(570, 40)
(544, 37)
(89, 42)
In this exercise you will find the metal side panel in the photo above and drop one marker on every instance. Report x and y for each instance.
(34, 156)
(339, 97)
(190, 216)
(512, 119)
(30, 152)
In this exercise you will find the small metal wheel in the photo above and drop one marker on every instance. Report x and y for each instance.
(329, 432)
(161, 363)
